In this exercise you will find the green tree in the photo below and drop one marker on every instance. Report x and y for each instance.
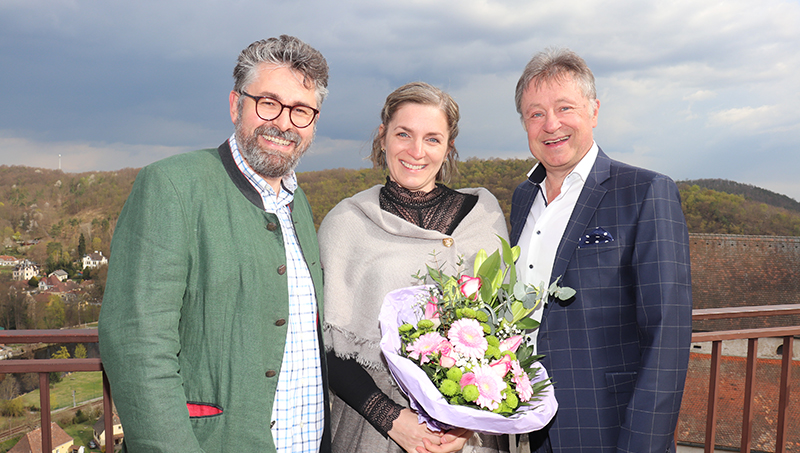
(81, 246)
(80, 351)
(62, 353)
(12, 408)
(33, 282)
(54, 315)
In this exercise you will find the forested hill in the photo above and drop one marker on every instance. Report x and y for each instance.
(54, 207)
(748, 191)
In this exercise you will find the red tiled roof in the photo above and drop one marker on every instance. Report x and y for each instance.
(32, 442)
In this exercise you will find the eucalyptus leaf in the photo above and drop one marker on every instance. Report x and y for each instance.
(519, 291)
(527, 324)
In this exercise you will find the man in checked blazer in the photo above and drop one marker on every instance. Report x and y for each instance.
(617, 351)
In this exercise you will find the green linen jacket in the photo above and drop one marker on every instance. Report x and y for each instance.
(195, 307)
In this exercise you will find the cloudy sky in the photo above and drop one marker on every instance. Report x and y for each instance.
(692, 89)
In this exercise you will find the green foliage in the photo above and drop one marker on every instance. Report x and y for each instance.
(80, 351)
(12, 408)
(33, 282)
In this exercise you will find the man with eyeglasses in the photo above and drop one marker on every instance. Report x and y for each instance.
(209, 330)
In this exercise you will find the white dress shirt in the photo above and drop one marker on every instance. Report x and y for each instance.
(545, 226)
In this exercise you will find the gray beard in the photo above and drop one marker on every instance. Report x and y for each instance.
(267, 162)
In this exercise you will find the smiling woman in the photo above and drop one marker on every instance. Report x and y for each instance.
(375, 241)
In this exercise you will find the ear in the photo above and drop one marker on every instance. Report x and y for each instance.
(382, 133)
(596, 111)
(234, 101)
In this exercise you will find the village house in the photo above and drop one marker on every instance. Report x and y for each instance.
(32, 442)
(60, 274)
(94, 260)
(25, 270)
(6, 260)
(100, 431)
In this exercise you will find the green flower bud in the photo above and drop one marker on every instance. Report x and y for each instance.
(470, 393)
(425, 324)
(510, 354)
(448, 387)
(492, 340)
(511, 400)
(454, 374)
(405, 328)
(481, 316)
(487, 329)
(468, 313)
(493, 352)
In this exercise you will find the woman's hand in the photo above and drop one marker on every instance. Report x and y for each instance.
(415, 437)
(453, 440)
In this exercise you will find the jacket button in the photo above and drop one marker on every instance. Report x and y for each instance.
(280, 322)
(270, 373)
(447, 242)
(281, 269)
(272, 227)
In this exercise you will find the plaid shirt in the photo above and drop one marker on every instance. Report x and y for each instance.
(298, 411)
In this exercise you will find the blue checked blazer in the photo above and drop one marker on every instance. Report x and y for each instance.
(618, 351)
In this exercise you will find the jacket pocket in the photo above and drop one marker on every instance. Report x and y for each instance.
(203, 410)
(621, 382)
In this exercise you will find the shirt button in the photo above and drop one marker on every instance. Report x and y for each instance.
(272, 424)
(280, 322)
(281, 269)
(539, 232)
(530, 266)
(272, 227)
(270, 373)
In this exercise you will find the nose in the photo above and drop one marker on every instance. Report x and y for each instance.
(415, 149)
(551, 122)
(283, 122)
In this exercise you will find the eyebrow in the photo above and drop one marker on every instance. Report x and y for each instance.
(278, 98)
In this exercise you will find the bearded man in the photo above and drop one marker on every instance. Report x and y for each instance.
(209, 327)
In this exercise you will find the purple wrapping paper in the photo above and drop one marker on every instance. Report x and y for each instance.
(402, 306)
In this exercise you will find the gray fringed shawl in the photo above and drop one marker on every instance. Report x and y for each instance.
(367, 252)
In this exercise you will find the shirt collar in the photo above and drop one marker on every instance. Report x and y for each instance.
(581, 170)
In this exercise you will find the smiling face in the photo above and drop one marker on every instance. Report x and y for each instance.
(559, 120)
(416, 143)
(272, 148)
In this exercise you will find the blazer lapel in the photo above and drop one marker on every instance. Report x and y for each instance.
(523, 200)
(588, 201)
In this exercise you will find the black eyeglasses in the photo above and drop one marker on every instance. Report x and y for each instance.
(268, 109)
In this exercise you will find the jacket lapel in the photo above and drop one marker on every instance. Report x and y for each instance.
(527, 192)
(588, 201)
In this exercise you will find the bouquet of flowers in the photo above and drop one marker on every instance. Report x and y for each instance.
(456, 348)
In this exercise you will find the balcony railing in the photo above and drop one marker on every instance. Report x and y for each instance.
(752, 335)
(46, 366)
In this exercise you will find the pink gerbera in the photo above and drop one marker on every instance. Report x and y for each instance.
(467, 338)
(424, 346)
(522, 381)
(490, 387)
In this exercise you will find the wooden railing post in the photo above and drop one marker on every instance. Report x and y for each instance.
(749, 391)
(713, 384)
(786, 386)
(44, 410)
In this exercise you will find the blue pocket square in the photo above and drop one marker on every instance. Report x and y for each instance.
(598, 236)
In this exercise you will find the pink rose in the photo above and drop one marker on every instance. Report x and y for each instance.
(468, 379)
(469, 286)
(501, 367)
(511, 344)
(431, 310)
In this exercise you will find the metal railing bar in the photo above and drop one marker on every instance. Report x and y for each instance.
(44, 402)
(49, 365)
